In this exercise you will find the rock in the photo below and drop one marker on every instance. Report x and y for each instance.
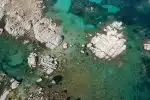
(4, 95)
(2, 5)
(1, 31)
(49, 70)
(14, 84)
(83, 45)
(49, 63)
(25, 17)
(39, 80)
(14, 27)
(109, 44)
(82, 51)
(26, 41)
(53, 82)
(47, 32)
(32, 59)
(65, 45)
(147, 45)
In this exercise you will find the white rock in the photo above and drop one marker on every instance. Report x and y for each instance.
(1, 31)
(14, 84)
(108, 45)
(82, 51)
(49, 70)
(53, 82)
(26, 41)
(39, 80)
(4, 95)
(83, 45)
(49, 63)
(32, 59)
(14, 27)
(65, 45)
(47, 32)
(2, 5)
(147, 46)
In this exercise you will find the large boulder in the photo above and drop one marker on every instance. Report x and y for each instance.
(47, 32)
(109, 43)
(32, 59)
(26, 16)
(49, 63)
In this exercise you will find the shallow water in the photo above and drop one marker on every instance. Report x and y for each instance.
(124, 78)
(13, 57)
(85, 76)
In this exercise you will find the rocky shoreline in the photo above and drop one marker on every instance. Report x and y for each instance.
(26, 17)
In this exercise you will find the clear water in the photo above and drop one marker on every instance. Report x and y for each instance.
(85, 76)
(13, 57)
(124, 78)
(63, 5)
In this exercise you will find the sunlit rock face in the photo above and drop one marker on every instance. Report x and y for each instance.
(26, 17)
(47, 32)
(48, 63)
(146, 45)
(109, 43)
(32, 59)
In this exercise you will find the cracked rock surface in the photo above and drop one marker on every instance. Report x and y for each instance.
(26, 17)
(110, 43)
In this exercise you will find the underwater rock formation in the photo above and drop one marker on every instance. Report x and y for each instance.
(147, 45)
(49, 63)
(14, 84)
(110, 43)
(26, 17)
(32, 59)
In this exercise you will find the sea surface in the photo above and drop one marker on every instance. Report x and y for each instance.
(126, 77)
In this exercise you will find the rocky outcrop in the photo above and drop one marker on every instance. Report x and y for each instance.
(1, 31)
(147, 45)
(109, 43)
(26, 16)
(49, 63)
(32, 60)
(47, 32)
(14, 84)
(4, 95)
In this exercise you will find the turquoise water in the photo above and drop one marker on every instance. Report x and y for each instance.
(13, 57)
(85, 76)
(96, 1)
(111, 8)
(63, 5)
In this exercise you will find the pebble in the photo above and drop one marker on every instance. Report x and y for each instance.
(65, 45)
(39, 80)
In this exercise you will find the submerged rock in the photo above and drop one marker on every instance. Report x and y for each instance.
(14, 84)
(49, 63)
(4, 95)
(1, 31)
(147, 45)
(109, 44)
(32, 59)
(39, 80)
(65, 45)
